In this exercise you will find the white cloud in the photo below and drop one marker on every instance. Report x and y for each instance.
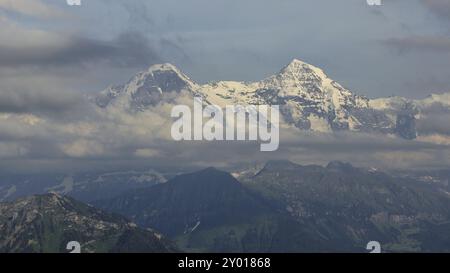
(83, 148)
(34, 8)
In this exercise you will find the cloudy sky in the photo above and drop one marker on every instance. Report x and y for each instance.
(401, 48)
(52, 53)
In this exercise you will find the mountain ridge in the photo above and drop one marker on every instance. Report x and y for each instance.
(297, 208)
(46, 223)
(308, 99)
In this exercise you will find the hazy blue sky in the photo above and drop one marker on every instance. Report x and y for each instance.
(401, 48)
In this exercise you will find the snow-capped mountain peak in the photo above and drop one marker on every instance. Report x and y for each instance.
(164, 77)
(307, 97)
(170, 69)
(162, 67)
(301, 78)
(297, 67)
(147, 87)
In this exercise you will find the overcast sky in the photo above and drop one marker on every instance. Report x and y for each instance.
(401, 48)
(51, 54)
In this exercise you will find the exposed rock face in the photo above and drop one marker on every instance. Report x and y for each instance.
(406, 122)
(308, 99)
(46, 223)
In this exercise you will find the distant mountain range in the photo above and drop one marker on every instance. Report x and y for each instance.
(85, 187)
(275, 207)
(355, 205)
(309, 99)
(285, 207)
(210, 211)
(279, 206)
(47, 223)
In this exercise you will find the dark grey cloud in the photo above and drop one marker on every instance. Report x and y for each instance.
(438, 44)
(138, 13)
(173, 47)
(22, 101)
(116, 139)
(128, 49)
(440, 7)
(431, 84)
(433, 124)
(435, 119)
(361, 150)
(134, 49)
(225, 40)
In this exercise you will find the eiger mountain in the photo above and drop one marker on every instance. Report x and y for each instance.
(46, 223)
(308, 98)
(286, 207)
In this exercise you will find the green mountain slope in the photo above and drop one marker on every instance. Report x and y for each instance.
(286, 207)
(353, 206)
(46, 223)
